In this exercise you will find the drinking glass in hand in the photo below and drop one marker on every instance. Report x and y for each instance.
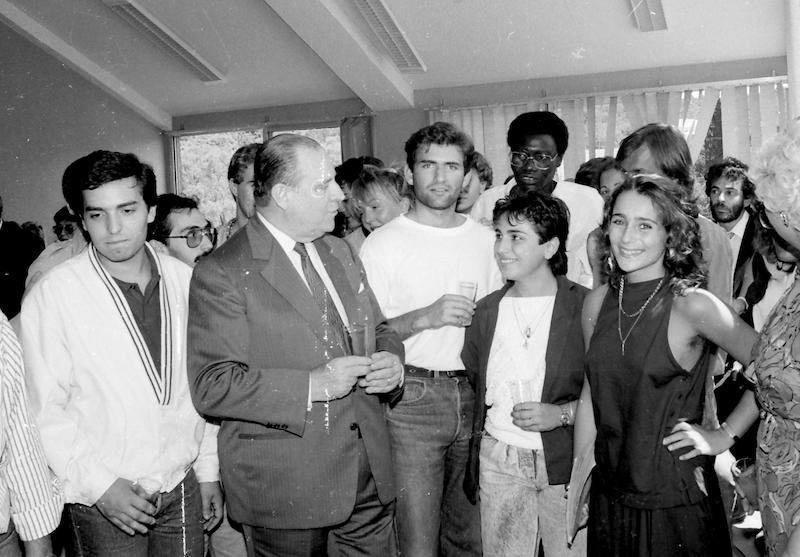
(468, 289)
(745, 484)
(361, 339)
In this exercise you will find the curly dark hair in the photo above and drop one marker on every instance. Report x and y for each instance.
(540, 122)
(549, 217)
(166, 204)
(440, 133)
(733, 170)
(350, 170)
(683, 257)
(101, 167)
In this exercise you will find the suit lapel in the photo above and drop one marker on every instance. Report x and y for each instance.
(745, 251)
(564, 311)
(279, 272)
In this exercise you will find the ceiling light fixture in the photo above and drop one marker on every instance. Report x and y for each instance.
(383, 25)
(648, 15)
(144, 22)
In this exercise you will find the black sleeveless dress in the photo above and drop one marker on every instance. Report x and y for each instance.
(644, 501)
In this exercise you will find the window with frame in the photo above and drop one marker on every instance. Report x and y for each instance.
(201, 164)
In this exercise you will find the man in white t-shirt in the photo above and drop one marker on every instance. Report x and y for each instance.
(426, 269)
(538, 141)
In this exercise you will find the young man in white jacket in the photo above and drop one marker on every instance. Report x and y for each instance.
(104, 339)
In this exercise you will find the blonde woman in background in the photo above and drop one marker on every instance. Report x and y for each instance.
(776, 366)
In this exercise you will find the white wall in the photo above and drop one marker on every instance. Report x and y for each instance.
(50, 116)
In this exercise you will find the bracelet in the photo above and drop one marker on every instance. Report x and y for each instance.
(565, 415)
(727, 429)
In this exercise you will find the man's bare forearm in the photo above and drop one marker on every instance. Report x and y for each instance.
(408, 324)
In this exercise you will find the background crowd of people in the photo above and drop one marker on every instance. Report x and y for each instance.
(403, 359)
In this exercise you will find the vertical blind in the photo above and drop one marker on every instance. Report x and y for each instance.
(751, 114)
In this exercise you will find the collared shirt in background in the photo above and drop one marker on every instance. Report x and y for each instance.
(29, 493)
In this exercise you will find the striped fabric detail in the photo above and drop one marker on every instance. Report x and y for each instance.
(160, 379)
(26, 486)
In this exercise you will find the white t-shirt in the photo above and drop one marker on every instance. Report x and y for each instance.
(516, 367)
(411, 265)
(586, 213)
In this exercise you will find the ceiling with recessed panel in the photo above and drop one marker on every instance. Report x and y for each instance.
(266, 53)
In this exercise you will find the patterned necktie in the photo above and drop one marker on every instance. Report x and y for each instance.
(331, 319)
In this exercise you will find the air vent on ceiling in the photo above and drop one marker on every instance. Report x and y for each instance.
(648, 15)
(144, 22)
(382, 23)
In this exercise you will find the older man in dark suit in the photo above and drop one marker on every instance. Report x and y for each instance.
(288, 348)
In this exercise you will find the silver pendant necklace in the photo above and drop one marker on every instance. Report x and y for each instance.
(637, 314)
(529, 329)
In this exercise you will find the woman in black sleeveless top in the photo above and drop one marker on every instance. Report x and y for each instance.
(648, 334)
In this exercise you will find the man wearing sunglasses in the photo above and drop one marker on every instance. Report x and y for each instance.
(538, 141)
(182, 228)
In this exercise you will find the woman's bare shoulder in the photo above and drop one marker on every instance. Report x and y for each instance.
(593, 301)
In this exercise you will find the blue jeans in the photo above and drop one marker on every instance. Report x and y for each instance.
(178, 530)
(519, 507)
(9, 542)
(430, 429)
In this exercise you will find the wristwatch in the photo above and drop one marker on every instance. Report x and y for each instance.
(565, 415)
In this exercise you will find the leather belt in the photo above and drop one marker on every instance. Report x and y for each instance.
(434, 373)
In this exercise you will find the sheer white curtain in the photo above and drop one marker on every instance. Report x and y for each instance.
(750, 114)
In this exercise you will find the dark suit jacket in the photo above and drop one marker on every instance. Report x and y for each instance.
(255, 333)
(743, 258)
(562, 383)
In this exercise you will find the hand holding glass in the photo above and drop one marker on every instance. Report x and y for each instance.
(361, 339)
(521, 390)
(469, 290)
(744, 476)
